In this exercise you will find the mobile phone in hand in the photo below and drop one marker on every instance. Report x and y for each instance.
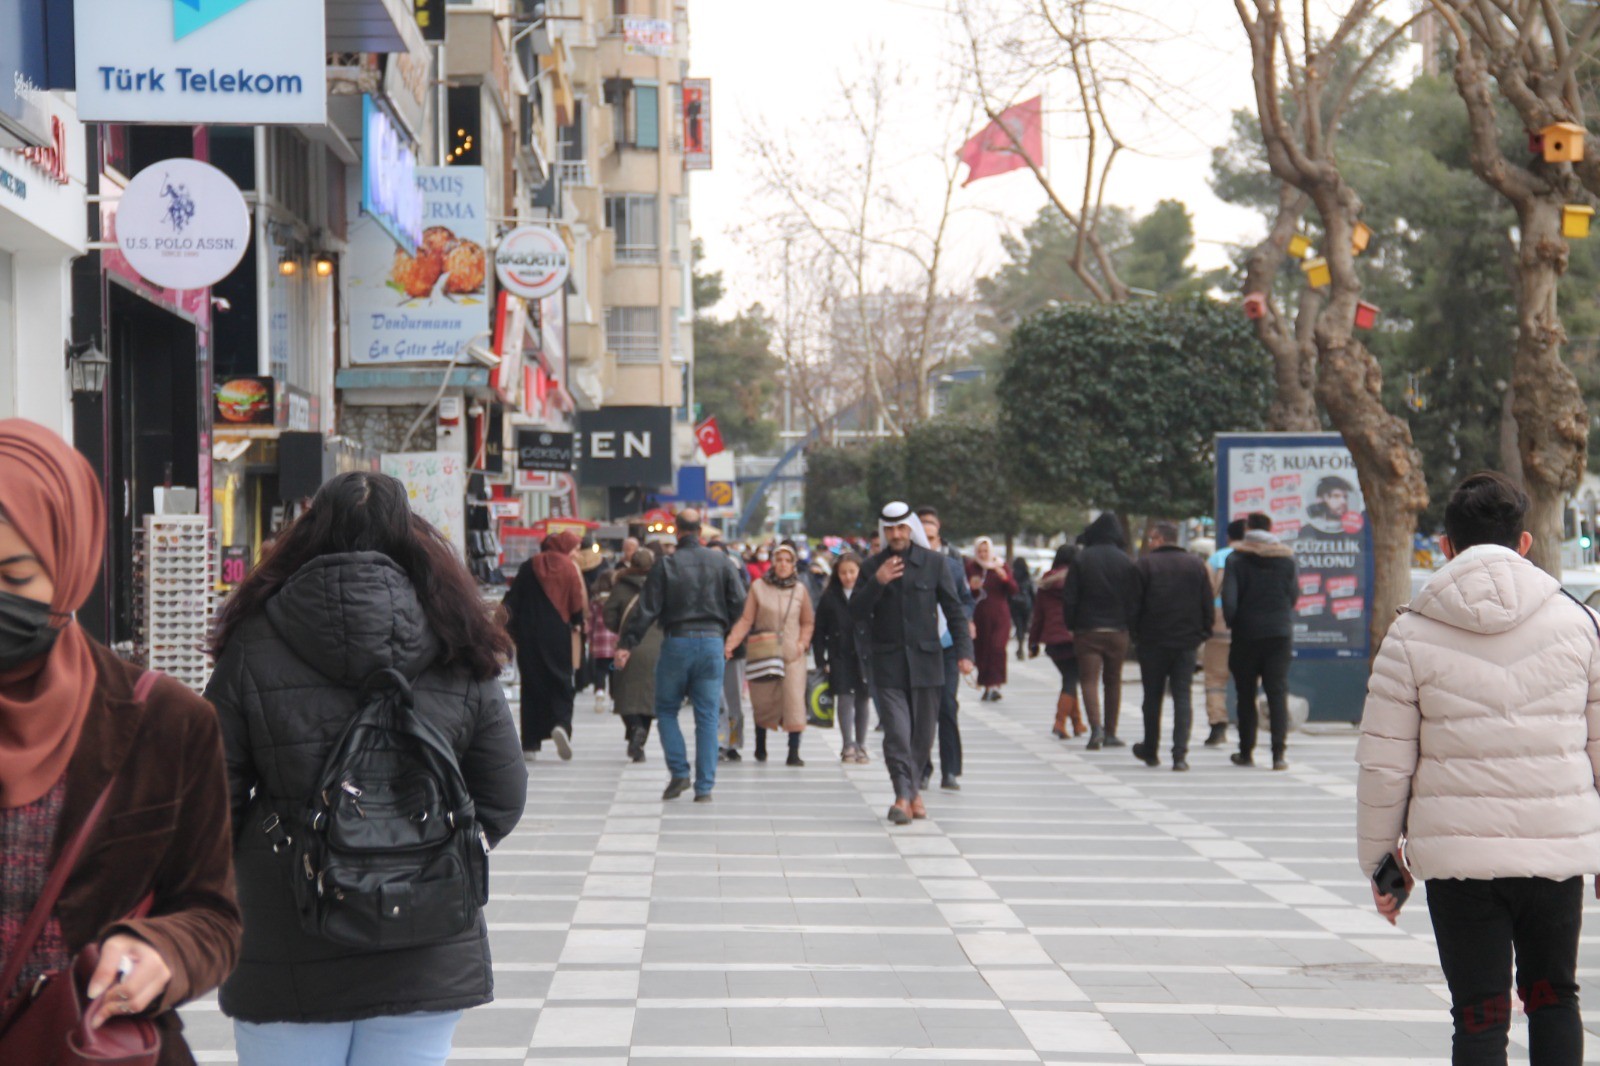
(1391, 880)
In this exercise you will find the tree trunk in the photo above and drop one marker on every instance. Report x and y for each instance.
(1552, 421)
(1510, 455)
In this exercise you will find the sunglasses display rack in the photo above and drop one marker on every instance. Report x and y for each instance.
(175, 569)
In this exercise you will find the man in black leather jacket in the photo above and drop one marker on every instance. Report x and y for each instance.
(695, 596)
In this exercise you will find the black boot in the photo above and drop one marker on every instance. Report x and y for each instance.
(761, 744)
(1218, 736)
(794, 750)
(1097, 738)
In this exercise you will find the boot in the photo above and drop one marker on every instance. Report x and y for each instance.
(794, 750)
(1060, 728)
(1075, 712)
(1219, 735)
(1097, 738)
(761, 745)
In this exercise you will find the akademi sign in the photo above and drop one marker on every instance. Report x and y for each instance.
(241, 62)
(532, 262)
(182, 224)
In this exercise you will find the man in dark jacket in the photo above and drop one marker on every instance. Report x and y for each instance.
(695, 596)
(899, 596)
(1175, 618)
(1100, 602)
(950, 697)
(1260, 585)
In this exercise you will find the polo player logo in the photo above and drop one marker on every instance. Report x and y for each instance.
(180, 205)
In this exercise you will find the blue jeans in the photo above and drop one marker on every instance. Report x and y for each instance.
(400, 1040)
(690, 667)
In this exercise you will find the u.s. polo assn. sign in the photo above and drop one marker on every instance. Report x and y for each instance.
(532, 262)
(182, 224)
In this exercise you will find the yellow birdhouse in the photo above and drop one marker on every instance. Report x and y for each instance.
(1299, 245)
(1360, 237)
(1563, 142)
(1317, 272)
(1575, 220)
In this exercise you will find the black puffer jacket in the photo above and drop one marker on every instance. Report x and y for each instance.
(284, 689)
(1102, 590)
(1260, 586)
(1176, 607)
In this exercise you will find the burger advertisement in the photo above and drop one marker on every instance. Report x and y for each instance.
(245, 402)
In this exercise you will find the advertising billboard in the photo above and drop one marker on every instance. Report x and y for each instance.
(696, 123)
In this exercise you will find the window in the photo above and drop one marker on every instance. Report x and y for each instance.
(634, 219)
(678, 355)
(680, 226)
(646, 116)
(634, 333)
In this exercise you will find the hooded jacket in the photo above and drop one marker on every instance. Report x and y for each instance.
(1260, 585)
(284, 690)
(1480, 741)
(1102, 589)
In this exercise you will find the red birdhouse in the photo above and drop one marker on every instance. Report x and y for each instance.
(1255, 305)
(1366, 315)
(1536, 144)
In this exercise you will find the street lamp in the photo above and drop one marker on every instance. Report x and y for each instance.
(87, 366)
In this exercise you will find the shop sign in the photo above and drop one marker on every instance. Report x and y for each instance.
(532, 262)
(246, 401)
(720, 494)
(240, 62)
(541, 449)
(505, 510)
(405, 86)
(426, 306)
(24, 73)
(1307, 484)
(646, 37)
(235, 564)
(389, 191)
(696, 123)
(430, 19)
(622, 446)
(182, 224)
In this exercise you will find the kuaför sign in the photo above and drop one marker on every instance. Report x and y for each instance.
(240, 62)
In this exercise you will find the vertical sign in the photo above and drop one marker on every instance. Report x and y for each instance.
(430, 19)
(696, 123)
(1307, 484)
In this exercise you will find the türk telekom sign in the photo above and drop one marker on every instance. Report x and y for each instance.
(240, 62)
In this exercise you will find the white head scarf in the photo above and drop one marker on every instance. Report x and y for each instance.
(901, 514)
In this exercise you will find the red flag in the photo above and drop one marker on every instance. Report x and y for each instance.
(710, 437)
(993, 152)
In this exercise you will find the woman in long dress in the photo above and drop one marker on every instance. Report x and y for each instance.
(778, 603)
(993, 586)
(545, 609)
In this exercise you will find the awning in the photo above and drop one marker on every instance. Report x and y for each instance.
(373, 26)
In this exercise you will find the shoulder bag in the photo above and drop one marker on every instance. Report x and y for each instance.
(764, 650)
(49, 1024)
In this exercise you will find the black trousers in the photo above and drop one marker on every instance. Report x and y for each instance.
(1478, 925)
(1161, 669)
(1262, 661)
(949, 718)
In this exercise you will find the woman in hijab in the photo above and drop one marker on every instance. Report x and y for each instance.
(545, 608)
(90, 743)
(778, 604)
(993, 587)
(633, 688)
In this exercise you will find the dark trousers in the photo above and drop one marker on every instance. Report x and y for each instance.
(910, 717)
(1478, 925)
(949, 722)
(630, 722)
(1262, 661)
(1101, 654)
(1161, 669)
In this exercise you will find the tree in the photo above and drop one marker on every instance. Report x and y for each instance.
(1118, 405)
(836, 492)
(962, 468)
(736, 375)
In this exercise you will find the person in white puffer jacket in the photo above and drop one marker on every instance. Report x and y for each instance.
(1480, 750)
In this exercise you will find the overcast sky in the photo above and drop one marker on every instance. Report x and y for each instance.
(776, 66)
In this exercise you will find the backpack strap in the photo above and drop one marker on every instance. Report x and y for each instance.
(1587, 612)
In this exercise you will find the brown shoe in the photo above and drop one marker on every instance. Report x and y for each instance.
(917, 809)
(1060, 727)
(900, 813)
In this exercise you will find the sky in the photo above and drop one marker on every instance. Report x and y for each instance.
(775, 66)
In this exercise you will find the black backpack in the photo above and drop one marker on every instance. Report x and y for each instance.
(388, 852)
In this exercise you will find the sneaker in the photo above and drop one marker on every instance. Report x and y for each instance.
(702, 797)
(563, 743)
(732, 755)
(1145, 755)
(676, 787)
(1180, 765)
(529, 756)
(1280, 763)
(1239, 758)
(949, 783)
(1219, 735)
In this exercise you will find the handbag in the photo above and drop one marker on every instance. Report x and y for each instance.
(819, 700)
(764, 651)
(48, 1024)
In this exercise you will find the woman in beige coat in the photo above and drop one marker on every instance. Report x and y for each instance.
(778, 603)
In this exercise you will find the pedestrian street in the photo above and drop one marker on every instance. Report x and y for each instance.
(1063, 907)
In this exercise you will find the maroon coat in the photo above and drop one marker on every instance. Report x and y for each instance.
(1049, 624)
(993, 621)
(165, 831)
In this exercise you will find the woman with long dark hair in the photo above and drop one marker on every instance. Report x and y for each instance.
(1049, 628)
(358, 586)
(545, 611)
(837, 647)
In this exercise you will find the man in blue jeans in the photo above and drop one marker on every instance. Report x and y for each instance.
(695, 596)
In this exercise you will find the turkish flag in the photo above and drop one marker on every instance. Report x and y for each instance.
(710, 437)
(992, 150)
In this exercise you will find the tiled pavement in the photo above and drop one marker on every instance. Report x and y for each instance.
(1064, 907)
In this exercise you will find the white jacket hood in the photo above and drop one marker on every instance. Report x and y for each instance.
(1486, 589)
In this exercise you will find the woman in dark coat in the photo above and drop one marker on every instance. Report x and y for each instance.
(76, 728)
(633, 688)
(545, 609)
(1022, 602)
(836, 646)
(993, 588)
(1049, 628)
(358, 585)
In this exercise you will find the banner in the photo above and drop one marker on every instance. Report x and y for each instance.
(1307, 485)
(696, 123)
(646, 37)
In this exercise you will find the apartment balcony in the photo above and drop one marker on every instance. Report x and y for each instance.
(586, 343)
(574, 172)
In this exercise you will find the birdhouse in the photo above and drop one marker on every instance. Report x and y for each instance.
(1299, 245)
(1366, 315)
(1360, 237)
(1317, 272)
(1575, 220)
(1562, 142)
(1255, 305)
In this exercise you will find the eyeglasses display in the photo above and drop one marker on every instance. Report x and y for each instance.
(175, 568)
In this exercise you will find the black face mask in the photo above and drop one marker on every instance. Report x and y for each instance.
(25, 630)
